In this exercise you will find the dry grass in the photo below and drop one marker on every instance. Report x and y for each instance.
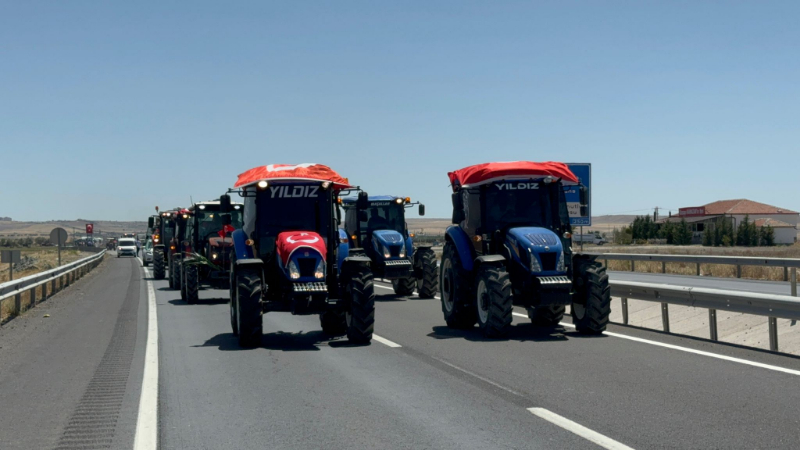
(715, 270)
(46, 259)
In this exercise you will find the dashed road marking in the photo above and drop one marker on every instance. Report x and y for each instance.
(580, 430)
(385, 341)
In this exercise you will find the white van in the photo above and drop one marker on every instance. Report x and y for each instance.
(126, 246)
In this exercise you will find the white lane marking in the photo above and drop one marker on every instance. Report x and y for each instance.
(689, 350)
(580, 430)
(146, 437)
(385, 341)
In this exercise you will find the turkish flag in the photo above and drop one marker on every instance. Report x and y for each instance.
(89, 228)
(292, 241)
(225, 230)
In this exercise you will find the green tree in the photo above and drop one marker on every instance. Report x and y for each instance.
(767, 235)
(682, 233)
(708, 237)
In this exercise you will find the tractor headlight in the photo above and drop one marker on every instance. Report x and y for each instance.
(403, 251)
(386, 253)
(214, 256)
(319, 272)
(561, 266)
(293, 272)
(535, 266)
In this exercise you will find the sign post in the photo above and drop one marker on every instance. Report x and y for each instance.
(572, 194)
(11, 257)
(58, 237)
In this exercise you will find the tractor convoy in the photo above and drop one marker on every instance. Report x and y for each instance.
(304, 240)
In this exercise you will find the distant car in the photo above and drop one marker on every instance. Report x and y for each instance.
(126, 246)
(147, 253)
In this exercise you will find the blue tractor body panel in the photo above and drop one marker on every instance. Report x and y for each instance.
(344, 247)
(243, 251)
(306, 261)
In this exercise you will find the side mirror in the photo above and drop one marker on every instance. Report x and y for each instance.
(584, 196)
(224, 202)
(363, 201)
(362, 216)
(151, 222)
(421, 210)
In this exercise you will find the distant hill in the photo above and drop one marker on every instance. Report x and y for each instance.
(101, 227)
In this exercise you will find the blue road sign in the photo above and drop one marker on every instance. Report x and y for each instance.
(584, 173)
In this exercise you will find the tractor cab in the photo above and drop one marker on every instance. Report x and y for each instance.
(165, 227)
(291, 248)
(511, 222)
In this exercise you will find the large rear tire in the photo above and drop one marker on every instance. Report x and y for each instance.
(546, 316)
(591, 304)
(360, 315)
(458, 303)
(158, 265)
(248, 307)
(428, 284)
(192, 287)
(333, 322)
(404, 286)
(493, 301)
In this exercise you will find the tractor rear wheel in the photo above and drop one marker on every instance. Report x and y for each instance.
(182, 275)
(493, 302)
(333, 322)
(458, 305)
(248, 307)
(404, 286)
(428, 284)
(192, 283)
(360, 316)
(158, 265)
(591, 304)
(171, 268)
(546, 316)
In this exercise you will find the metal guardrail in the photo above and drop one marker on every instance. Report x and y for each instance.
(52, 281)
(768, 305)
(789, 265)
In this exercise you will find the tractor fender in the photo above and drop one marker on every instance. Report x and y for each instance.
(491, 260)
(251, 262)
(243, 251)
(352, 264)
(463, 246)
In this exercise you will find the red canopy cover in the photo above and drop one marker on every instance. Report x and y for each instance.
(289, 172)
(291, 241)
(490, 172)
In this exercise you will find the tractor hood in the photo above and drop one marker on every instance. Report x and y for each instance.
(539, 243)
(290, 242)
(389, 238)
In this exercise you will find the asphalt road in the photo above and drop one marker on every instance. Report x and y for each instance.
(733, 284)
(439, 388)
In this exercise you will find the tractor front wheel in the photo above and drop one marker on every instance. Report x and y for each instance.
(457, 304)
(493, 302)
(192, 283)
(248, 307)
(428, 283)
(546, 316)
(158, 265)
(360, 315)
(333, 322)
(591, 304)
(404, 286)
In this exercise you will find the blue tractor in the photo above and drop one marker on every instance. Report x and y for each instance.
(382, 232)
(289, 256)
(510, 244)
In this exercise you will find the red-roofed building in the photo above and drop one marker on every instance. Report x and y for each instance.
(782, 220)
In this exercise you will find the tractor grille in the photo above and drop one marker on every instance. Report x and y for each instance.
(398, 262)
(549, 260)
(306, 266)
(542, 239)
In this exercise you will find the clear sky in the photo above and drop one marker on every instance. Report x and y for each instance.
(110, 108)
